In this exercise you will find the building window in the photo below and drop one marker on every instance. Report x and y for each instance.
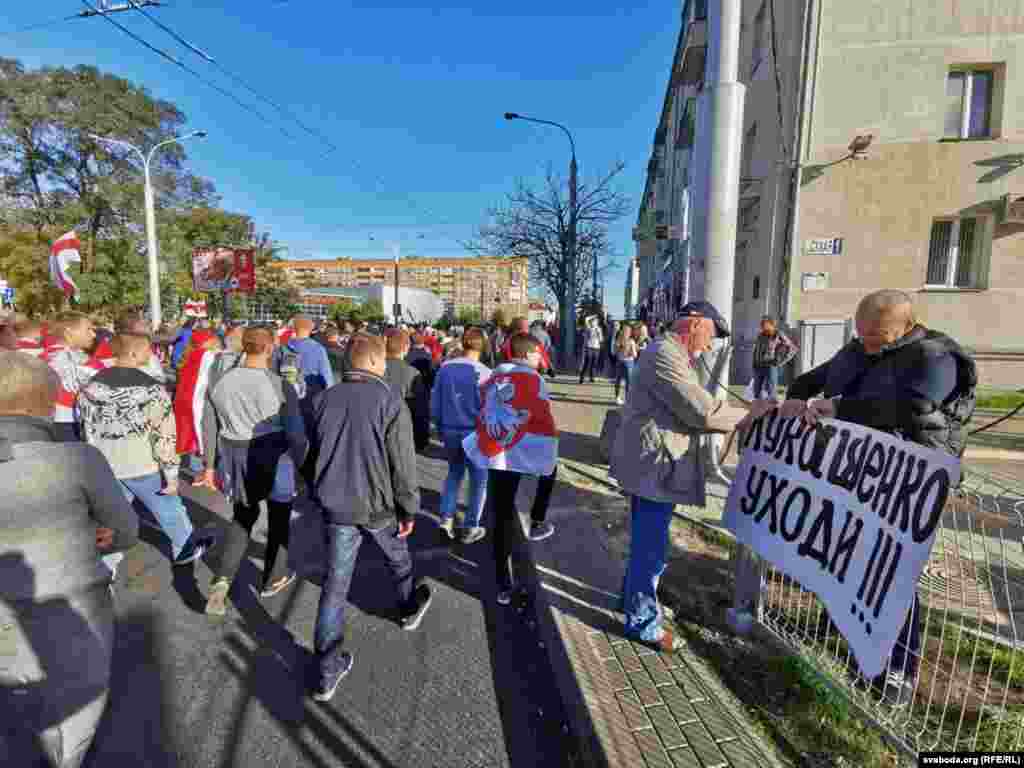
(749, 148)
(969, 104)
(757, 287)
(759, 48)
(687, 123)
(956, 254)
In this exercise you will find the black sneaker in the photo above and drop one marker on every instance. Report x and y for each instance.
(325, 691)
(505, 596)
(541, 531)
(424, 595)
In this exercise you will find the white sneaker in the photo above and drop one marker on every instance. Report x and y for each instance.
(619, 401)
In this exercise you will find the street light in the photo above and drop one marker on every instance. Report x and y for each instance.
(568, 319)
(155, 312)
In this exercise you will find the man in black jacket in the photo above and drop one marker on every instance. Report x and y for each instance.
(902, 378)
(408, 383)
(365, 484)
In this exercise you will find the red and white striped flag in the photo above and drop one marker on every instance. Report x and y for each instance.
(63, 252)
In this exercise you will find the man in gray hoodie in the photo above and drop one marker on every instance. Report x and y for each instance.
(60, 507)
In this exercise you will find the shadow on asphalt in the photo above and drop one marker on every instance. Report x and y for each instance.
(256, 654)
(136, 728)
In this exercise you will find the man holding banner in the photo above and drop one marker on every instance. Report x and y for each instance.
(882, 497)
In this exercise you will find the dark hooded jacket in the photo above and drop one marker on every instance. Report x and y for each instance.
(921, 387)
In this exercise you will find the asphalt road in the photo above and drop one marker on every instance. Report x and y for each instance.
(471, 687)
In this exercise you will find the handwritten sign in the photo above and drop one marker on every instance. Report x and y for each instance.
(850, 513)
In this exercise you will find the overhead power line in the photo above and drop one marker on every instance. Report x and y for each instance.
(238, 79)
(137, 5)
(163, 54)
(101, 11)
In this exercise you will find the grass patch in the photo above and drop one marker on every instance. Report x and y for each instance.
(1007, 664)
(712, 536)
(999, 400)
(794, 706)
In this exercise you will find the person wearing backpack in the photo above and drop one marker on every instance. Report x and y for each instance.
(254, 415)
(303, 362)
(899, 377)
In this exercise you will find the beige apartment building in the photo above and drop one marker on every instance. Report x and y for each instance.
(886, 151)
(461, 283)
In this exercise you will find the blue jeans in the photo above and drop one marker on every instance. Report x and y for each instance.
(342, 549)
(166, 513)
(766, 383)
(648, 540)
(623, 371)
(458, 465)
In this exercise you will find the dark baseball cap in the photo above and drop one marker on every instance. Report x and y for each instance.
(708, 310)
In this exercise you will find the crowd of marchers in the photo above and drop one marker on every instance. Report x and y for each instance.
(97, 424)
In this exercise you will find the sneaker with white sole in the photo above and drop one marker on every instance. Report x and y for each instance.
(424, 595)
(472, 535)
(329, 684)
(619, 401)
(216, 600)
(541, 530)
(272, 589)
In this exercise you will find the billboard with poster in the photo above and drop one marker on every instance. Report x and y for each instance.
(223, 269)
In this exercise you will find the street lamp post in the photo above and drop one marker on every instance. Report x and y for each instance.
(156, 315)
(568, 311)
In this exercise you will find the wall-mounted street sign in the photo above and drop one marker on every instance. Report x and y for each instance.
(824, 246)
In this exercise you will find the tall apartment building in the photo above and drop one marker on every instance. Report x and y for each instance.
(461, 283)
(882, 149)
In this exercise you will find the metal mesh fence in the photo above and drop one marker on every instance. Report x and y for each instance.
(956, 678)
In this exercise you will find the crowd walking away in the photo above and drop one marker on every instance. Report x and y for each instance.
(108, 425)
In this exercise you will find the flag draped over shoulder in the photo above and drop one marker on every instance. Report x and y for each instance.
(63, 252)
(190, 394)
(515, 430)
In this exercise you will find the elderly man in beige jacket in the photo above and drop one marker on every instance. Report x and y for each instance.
(658, 461)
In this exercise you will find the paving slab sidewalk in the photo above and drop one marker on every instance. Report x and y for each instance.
(629, 706)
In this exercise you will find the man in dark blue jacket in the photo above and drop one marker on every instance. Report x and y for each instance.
(899, 377)
(365, 484)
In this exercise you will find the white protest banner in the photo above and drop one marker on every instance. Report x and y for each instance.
(848, 512)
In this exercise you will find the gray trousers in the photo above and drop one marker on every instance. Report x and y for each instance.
(54, 677)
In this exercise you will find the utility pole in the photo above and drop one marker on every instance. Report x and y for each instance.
(155, 311)
(397, 308)
(719, 156)
(720, 152)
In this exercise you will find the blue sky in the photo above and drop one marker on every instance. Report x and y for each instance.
(413, 95)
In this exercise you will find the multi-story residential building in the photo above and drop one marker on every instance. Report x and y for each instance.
(462, 283)
(631, 295)
(882, 149)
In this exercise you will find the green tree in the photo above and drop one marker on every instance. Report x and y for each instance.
(341, 311)
(24, 264)
(55, 176)
(468, 316)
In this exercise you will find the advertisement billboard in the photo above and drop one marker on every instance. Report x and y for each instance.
(223, 269)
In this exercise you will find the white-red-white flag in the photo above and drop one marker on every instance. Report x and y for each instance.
(515, 430)
(63, 252)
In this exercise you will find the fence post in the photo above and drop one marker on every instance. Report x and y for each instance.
(747, 606)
